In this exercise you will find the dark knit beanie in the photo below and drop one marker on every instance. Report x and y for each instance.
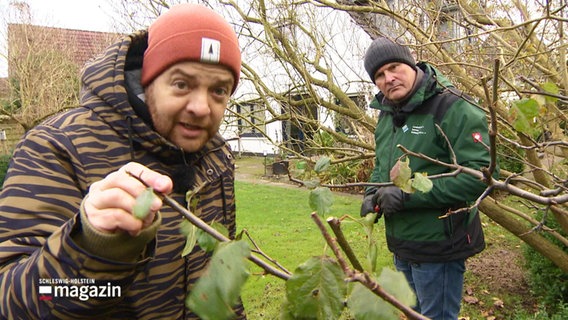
(190, 32)
(383, 51)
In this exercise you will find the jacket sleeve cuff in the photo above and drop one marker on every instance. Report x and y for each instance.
(119, 246)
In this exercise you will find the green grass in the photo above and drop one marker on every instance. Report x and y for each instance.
(278, 219)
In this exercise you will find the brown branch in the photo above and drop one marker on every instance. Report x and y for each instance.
(196, 221)
(493, 123)
(335, 225)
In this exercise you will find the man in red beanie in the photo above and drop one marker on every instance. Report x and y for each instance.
(151, 106)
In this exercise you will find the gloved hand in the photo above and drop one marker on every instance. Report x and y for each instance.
(369, 204)
(391, 199)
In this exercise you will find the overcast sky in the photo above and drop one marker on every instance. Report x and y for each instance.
(73, 14)
(93, 15)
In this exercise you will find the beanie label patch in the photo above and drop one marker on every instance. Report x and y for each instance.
(210, 50)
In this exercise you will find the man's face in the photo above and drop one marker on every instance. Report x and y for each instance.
(395, 80)
(187, 102)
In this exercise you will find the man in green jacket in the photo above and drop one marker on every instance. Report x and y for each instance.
(151, 106)
(422, 111)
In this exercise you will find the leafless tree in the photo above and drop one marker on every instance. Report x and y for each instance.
(301, 54)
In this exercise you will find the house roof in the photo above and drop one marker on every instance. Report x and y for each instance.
(82, 45)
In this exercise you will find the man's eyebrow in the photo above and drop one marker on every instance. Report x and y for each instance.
(221, 80)
(227, 82)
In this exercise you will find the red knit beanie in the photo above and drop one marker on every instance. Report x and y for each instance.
(190, 32)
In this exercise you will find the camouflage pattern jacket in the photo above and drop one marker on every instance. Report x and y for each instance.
(45, 249)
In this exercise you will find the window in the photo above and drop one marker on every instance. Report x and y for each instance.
(250, 119)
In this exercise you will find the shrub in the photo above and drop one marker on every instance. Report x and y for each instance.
(510, 157)
(547, 281)
(543, 314)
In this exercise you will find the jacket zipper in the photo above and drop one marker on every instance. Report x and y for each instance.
(390, 165)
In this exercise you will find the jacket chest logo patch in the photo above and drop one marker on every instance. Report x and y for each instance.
(418, 130)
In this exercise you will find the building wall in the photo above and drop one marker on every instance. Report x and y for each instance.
(267, 143)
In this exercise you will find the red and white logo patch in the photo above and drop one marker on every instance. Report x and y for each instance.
(477, 137)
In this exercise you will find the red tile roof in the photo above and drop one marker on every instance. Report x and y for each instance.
(83, 45)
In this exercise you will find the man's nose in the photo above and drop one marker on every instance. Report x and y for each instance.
(389, 76)
(198, 103)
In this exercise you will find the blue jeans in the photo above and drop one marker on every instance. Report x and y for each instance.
(438, 286)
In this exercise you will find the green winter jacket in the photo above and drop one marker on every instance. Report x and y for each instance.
(44, 238)
(417, 233)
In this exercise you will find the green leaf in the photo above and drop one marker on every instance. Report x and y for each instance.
(421, 182)
(523, 113)
(368, 222)
(540, 99)
(395, 283)
(218, 290)
(321, 200)
(312, 184)
(365, 305)
(286, 313)
(400, 175)
(372, 256)
(529, 107)
(552, 88)
(141, 207)
(322, 164)
(206, 241)
(316, 290)
(192, 199)
(190, 232)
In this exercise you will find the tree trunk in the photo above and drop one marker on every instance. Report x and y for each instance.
(519, 229)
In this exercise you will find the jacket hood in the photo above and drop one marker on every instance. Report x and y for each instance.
(432, 83)
(104, 91)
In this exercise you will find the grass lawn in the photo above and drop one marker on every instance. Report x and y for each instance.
(278, 219)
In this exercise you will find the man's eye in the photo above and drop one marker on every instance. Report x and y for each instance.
(221, 91)
(180, 85)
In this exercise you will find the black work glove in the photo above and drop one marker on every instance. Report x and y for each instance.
(369, 204)
(391, 199)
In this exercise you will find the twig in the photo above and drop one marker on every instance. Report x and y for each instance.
(493, 123)
(211, 231)
(259, 251)
(336, 228)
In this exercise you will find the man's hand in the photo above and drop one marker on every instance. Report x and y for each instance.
(391, 199)
(369, 204)
(109, 203)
